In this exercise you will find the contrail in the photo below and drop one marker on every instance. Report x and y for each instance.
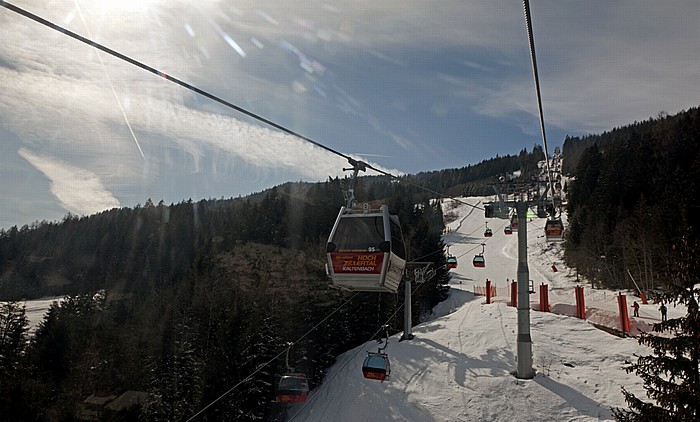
(109, 81)
(371, 155)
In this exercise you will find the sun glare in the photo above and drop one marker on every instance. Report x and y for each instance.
(136, 6)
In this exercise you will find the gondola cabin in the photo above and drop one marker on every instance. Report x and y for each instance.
(451, 262)
(479, 261)
(507, 230)
(554, 230)
(365, 251)
(419, 275)
(514, 222)
(292, 388)
(376, 366)
(488, 233)
(496, 210)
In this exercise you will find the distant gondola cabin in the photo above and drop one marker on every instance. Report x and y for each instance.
(451, 262)
(376, 366)
(292, 388)
(479, 261)
(554, 230)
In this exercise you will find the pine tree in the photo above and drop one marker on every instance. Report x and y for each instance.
(13, 345)
(176, 384)
(672, 375)
(13, 335)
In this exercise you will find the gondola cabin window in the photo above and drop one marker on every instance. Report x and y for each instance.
(397, 246)
(359, 234)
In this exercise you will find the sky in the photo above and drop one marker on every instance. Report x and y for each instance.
(407, 86)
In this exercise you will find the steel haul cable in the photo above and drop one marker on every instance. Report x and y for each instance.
(531, 39)
(242, 110)
(269, 361)
(359, 349)
(204, 93)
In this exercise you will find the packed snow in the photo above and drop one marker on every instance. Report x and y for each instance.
(461, 364)
(35, 310)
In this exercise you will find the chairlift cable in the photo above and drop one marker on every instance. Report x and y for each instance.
(206, 94)
(163, 75)
(531, 39)
(350, 359)
(268, 122)
(427, 255)
(238, 384)
(467, 252)
(269, 361)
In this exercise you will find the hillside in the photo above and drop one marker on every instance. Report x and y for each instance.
(460, 365)
(633, 204)
(198, 294)
(132, 249)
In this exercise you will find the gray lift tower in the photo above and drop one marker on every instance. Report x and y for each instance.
(499, 209)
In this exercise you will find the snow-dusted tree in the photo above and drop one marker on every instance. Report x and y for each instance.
(672, 374)
(13, 346)
(13, 335)
(176, 384)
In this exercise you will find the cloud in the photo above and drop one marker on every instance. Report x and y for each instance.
(607, 64)
(601, 65)
(79, 191)
(59, 102)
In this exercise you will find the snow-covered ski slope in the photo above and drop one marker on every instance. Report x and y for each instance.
(459, 366)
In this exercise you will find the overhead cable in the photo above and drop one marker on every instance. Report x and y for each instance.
(204, 93)
(259, 368)
(347, 362)
(531, 39)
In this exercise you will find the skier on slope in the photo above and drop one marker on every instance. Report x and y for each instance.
(635, 306)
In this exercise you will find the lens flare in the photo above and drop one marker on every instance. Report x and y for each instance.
(134, 6)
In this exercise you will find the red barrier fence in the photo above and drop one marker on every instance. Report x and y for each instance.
(489, 291)
(481, 291)
(580, 303)
(599, 317)
(624, 317)
(544, 297)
